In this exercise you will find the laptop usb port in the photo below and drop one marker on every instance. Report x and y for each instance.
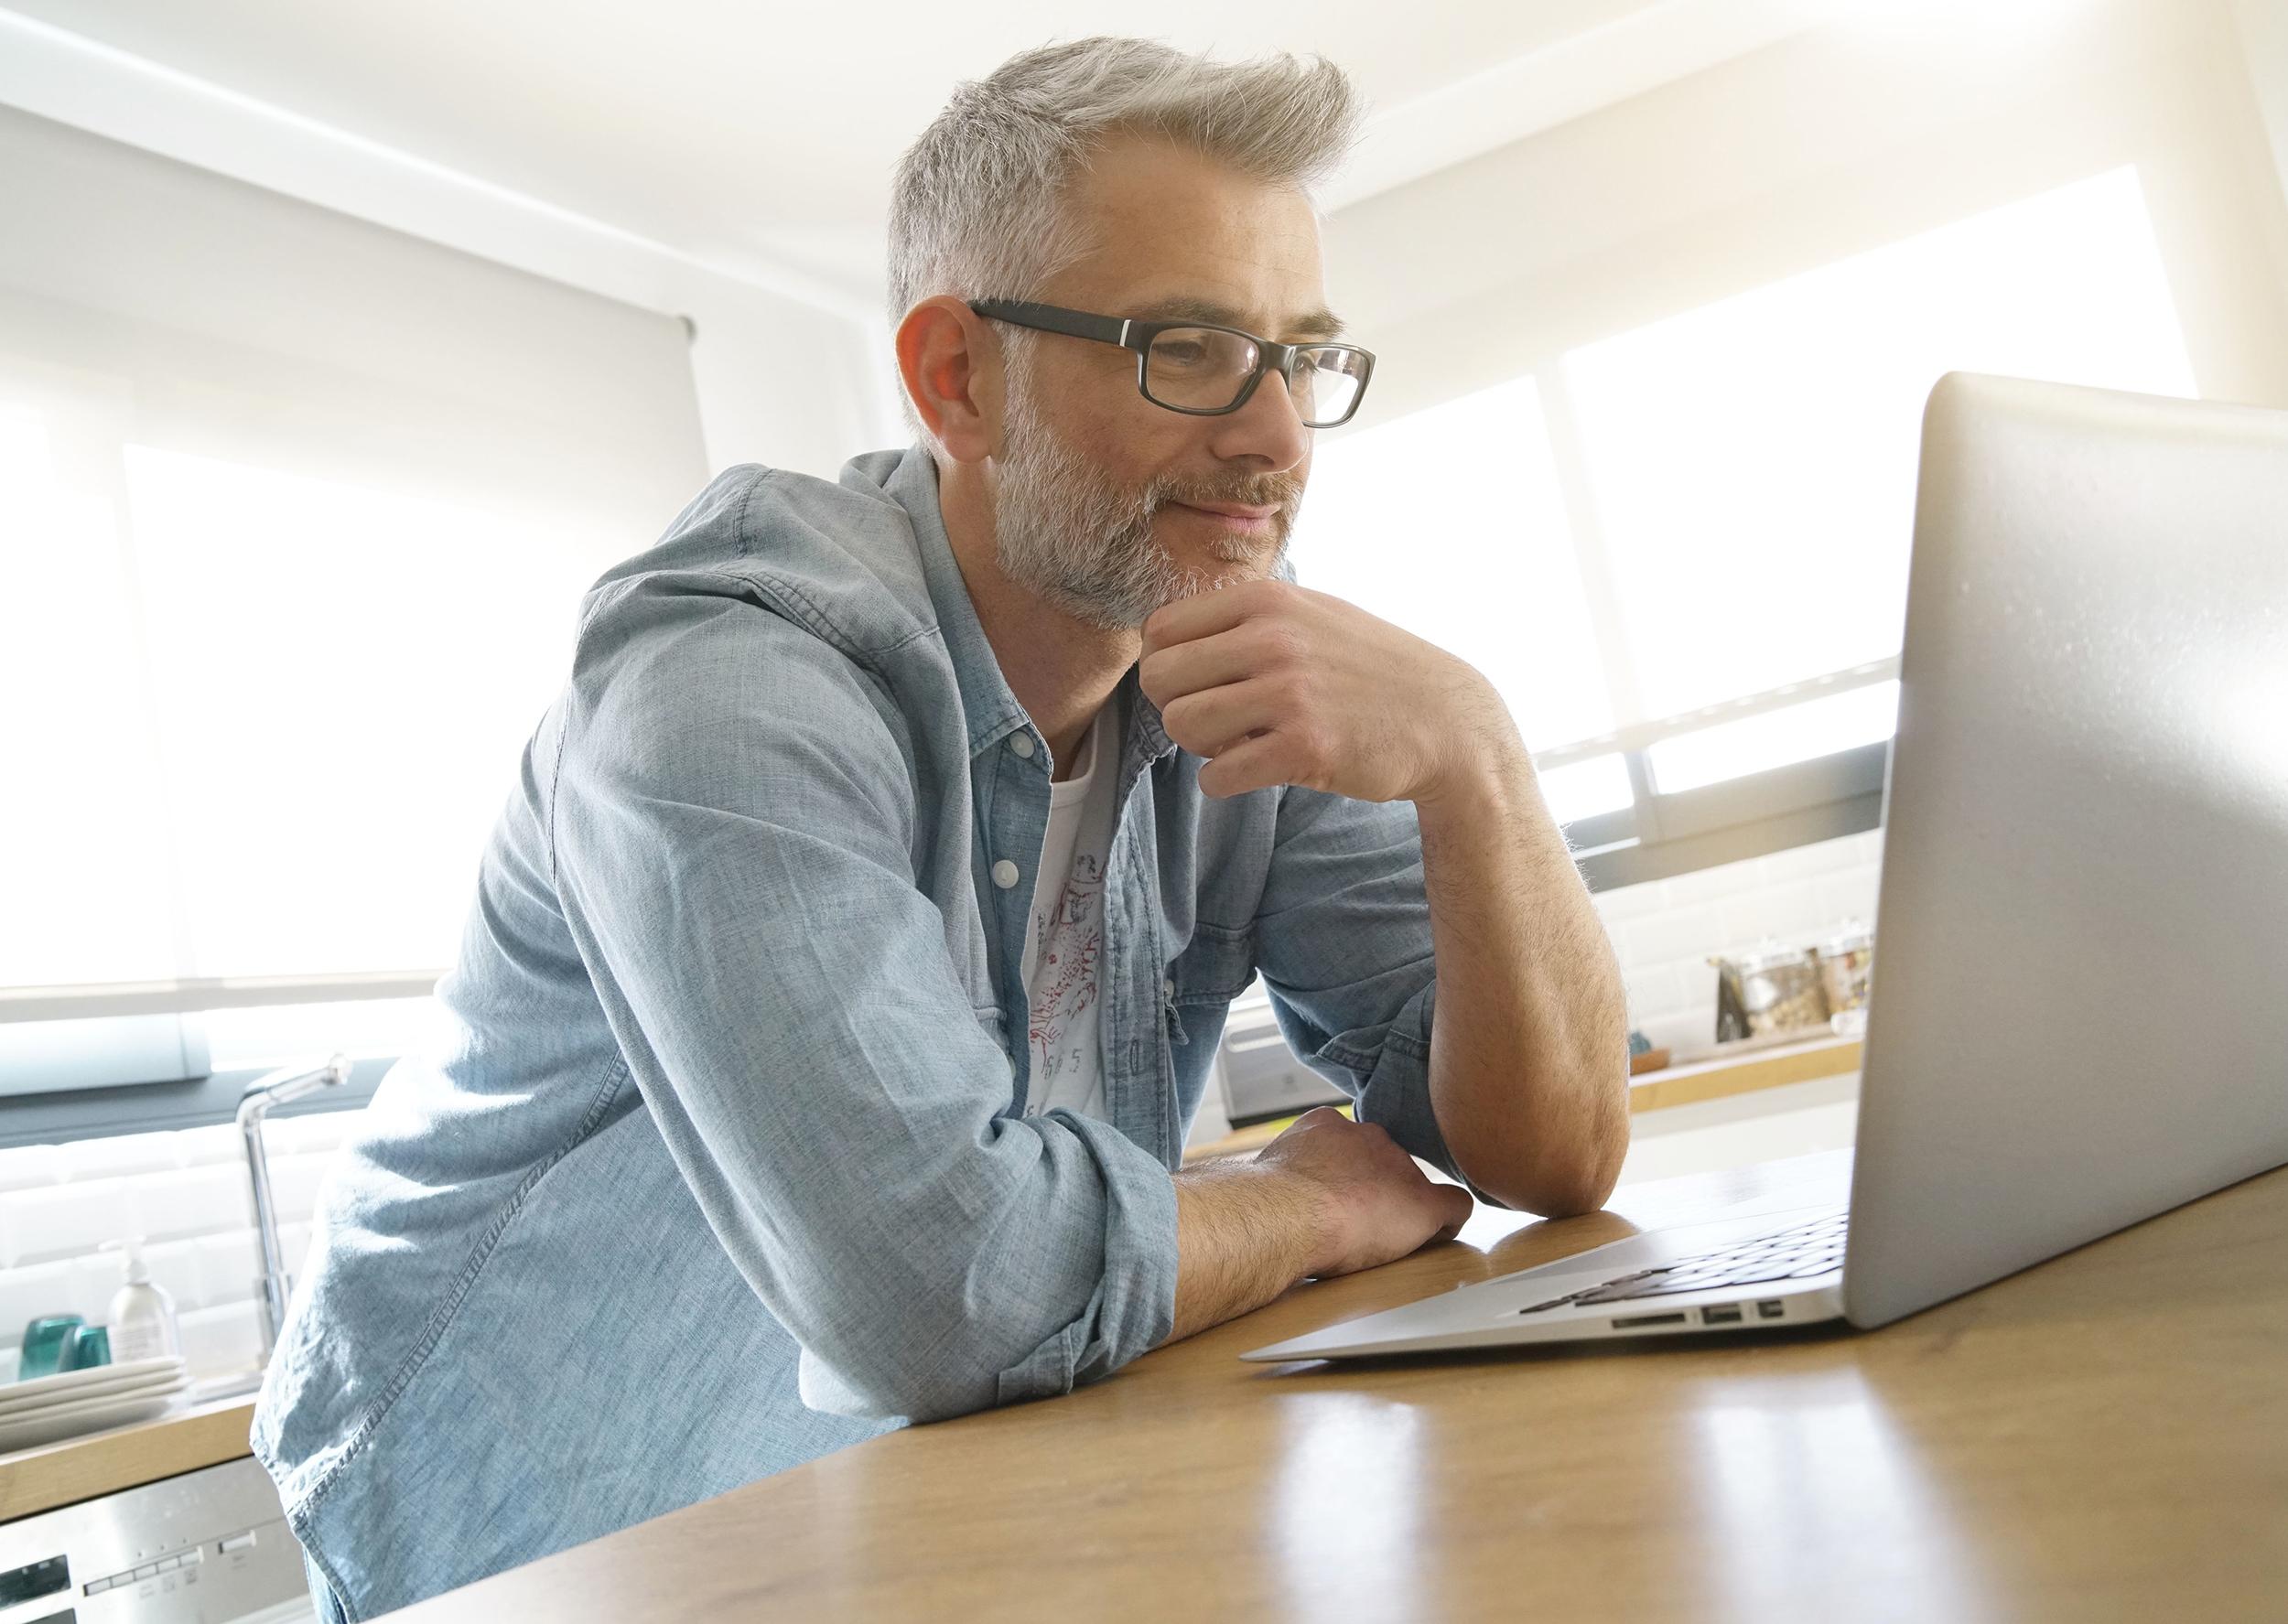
(1769, 1311)
(1722, 1313)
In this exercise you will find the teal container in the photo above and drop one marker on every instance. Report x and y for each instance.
(46, 1341)
(90, 1345)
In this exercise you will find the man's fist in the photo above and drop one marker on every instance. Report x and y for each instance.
(1278, 684)
(1374, 1202)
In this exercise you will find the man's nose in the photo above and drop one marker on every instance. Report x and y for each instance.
(1268, 427)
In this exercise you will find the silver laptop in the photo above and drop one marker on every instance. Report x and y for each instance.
(2080, 1017)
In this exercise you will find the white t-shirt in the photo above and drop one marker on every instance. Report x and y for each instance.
(1064, 937)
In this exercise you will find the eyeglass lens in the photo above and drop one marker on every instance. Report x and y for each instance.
(1203, 369)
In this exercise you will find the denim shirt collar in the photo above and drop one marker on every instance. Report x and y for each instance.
(910, 478)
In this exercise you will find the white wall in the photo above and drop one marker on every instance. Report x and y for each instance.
(1821, 147)
(2263, 26)
(783, 364)
(785, 383)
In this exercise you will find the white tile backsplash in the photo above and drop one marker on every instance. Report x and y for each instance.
(31, 1166)
(200, 1147)
(29, 1293)
(1787, 909)
(1671, 936)
(63, 1221)
(222, 1339)
(186, 1193)
(1655, 991)
(1803, 861)
(191, 1201)
(228, 1265)
(124, 1153)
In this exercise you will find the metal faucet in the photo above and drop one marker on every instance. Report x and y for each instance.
(272, 1285)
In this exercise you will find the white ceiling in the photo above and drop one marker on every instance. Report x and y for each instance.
(765, 135)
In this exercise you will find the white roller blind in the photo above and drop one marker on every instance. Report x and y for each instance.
(295, 515)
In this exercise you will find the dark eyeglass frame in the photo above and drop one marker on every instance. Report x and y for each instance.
(1131, 333)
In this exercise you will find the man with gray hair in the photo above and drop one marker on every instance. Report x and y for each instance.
(848, 966)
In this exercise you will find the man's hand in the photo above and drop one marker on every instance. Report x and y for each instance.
(1375, 1205)
(1274, 683)
(1327, 1197)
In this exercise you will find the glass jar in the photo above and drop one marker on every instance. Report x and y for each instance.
(1847, 963)
(1780, 990)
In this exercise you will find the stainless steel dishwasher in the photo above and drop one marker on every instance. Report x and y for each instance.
(206, 1547)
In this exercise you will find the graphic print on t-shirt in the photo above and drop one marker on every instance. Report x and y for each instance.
(1062, 964)
(1065, 984)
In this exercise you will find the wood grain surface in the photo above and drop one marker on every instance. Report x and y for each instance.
(123, 1457)
(2103, 1436)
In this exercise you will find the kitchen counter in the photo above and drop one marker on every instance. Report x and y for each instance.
(2094, 1437)
(69, 1470)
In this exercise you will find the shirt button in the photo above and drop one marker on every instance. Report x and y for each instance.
(1005, 874)
(1022, 744)
(1166, 989)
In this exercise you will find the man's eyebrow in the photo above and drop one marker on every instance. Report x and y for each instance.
(1321, 323)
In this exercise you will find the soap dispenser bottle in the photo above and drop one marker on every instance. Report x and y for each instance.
(142, 1315)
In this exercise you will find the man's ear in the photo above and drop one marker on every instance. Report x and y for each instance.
(951, 365)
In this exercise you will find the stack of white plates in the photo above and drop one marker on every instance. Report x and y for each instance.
(52, 1407)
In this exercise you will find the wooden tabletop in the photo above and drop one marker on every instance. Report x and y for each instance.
(2103, 1436)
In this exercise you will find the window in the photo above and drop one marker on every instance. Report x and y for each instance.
(1753, 463)
(1773, 738)
(352, 673)
(1679, 553)
(296, 512)
(276, 718)
(1448, 522)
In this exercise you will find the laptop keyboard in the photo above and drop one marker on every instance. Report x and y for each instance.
(1808, 1249)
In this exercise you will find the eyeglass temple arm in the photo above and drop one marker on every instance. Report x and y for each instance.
(1078, 324)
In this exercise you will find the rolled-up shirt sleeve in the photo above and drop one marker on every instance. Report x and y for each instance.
(1342, 941)
(732, 825)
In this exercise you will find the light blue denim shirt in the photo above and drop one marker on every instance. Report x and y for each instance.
(718, 1162)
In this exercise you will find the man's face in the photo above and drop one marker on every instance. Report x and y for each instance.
(1099, 494)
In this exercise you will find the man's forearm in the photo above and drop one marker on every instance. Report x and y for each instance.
(1529, 1044)
(1244, 1234)
(1327, 1197)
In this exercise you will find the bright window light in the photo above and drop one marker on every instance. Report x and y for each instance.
(1585, 789)
(1752, 462)
(289, 1034)
(1448, 522)
(85, 842)
(349, 676)
(1775, 739)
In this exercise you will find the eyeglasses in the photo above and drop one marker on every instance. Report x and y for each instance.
(1205, 371)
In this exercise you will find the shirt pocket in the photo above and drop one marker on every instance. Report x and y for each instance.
(1214, 966)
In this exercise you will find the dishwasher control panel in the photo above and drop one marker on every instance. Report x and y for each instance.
(207, 1547)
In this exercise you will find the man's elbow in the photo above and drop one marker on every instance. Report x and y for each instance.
(887, 1388)
(936, 1365)
(1562, 1179)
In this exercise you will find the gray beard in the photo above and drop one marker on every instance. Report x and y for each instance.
(1068, 534)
